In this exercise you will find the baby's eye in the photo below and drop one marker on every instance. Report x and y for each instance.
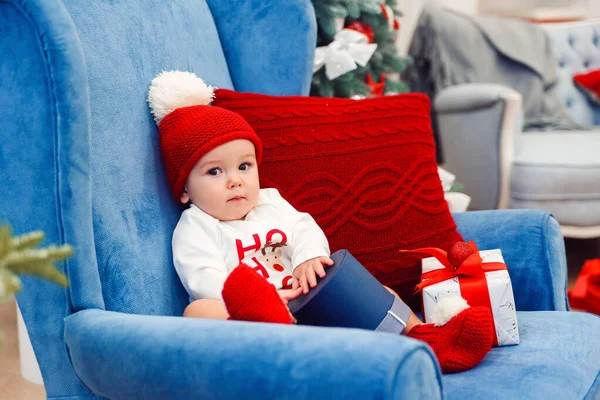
(244, 166)
(214, 171)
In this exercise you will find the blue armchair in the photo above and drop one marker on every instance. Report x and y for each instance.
(80, 160)
(555, 171)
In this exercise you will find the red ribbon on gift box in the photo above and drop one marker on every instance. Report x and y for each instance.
(471, 274)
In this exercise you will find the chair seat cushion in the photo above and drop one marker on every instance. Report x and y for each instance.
(558, 172)
(558, 358)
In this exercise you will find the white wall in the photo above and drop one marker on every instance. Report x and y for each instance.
(594, 8)
(411, 10)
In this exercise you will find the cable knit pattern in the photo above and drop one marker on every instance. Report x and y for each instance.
(365, 170)
(249, 297)
(463, 342)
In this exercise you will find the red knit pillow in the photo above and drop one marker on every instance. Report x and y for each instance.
(590, 83)
(364, 169)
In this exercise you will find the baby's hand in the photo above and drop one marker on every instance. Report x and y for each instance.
(286, 296)
(305, 273)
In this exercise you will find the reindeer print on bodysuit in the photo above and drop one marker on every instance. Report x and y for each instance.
(271, 259)
(266, 260)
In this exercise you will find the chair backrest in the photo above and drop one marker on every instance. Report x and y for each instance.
(132, 213)
(80, 155)
(577, 49)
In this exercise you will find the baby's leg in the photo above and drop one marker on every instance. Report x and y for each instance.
(459, 345)
(206, 308)
(412, 320)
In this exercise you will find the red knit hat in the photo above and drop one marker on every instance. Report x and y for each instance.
(188, 127)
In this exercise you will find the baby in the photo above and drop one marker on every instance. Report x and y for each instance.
(243, 252)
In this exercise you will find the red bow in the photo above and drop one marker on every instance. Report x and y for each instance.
(473, 266)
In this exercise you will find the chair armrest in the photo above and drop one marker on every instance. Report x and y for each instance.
(533, 249)
(477, 124)
(125, 356)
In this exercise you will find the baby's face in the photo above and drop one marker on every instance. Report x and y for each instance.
(224, 182)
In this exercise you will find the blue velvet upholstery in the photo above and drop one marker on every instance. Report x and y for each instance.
(540, 288)
(240, 360)
(255, 64)
(46, 171)
(80, 160)
(556, 359)
(125, 162)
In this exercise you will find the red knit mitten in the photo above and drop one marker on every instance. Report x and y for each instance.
(249, 297)
(461, 343)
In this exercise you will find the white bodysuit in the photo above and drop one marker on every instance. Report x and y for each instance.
(274, 238)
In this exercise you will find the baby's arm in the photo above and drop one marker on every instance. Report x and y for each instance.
(308, 244)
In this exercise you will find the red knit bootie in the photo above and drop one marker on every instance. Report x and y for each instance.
(249, 297)
(459, 342)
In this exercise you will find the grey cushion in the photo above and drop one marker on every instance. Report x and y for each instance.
(559, 172)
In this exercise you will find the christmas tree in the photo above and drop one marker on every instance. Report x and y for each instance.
(356, 52)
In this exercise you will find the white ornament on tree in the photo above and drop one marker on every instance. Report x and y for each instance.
(348, 49)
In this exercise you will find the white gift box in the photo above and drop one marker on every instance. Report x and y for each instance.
(500, 291)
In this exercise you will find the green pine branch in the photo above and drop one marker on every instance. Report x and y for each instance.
(353, 9)
(385, 60)
(18, 257)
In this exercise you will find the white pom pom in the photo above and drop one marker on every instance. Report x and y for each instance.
(174, 89)
(447, 308)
